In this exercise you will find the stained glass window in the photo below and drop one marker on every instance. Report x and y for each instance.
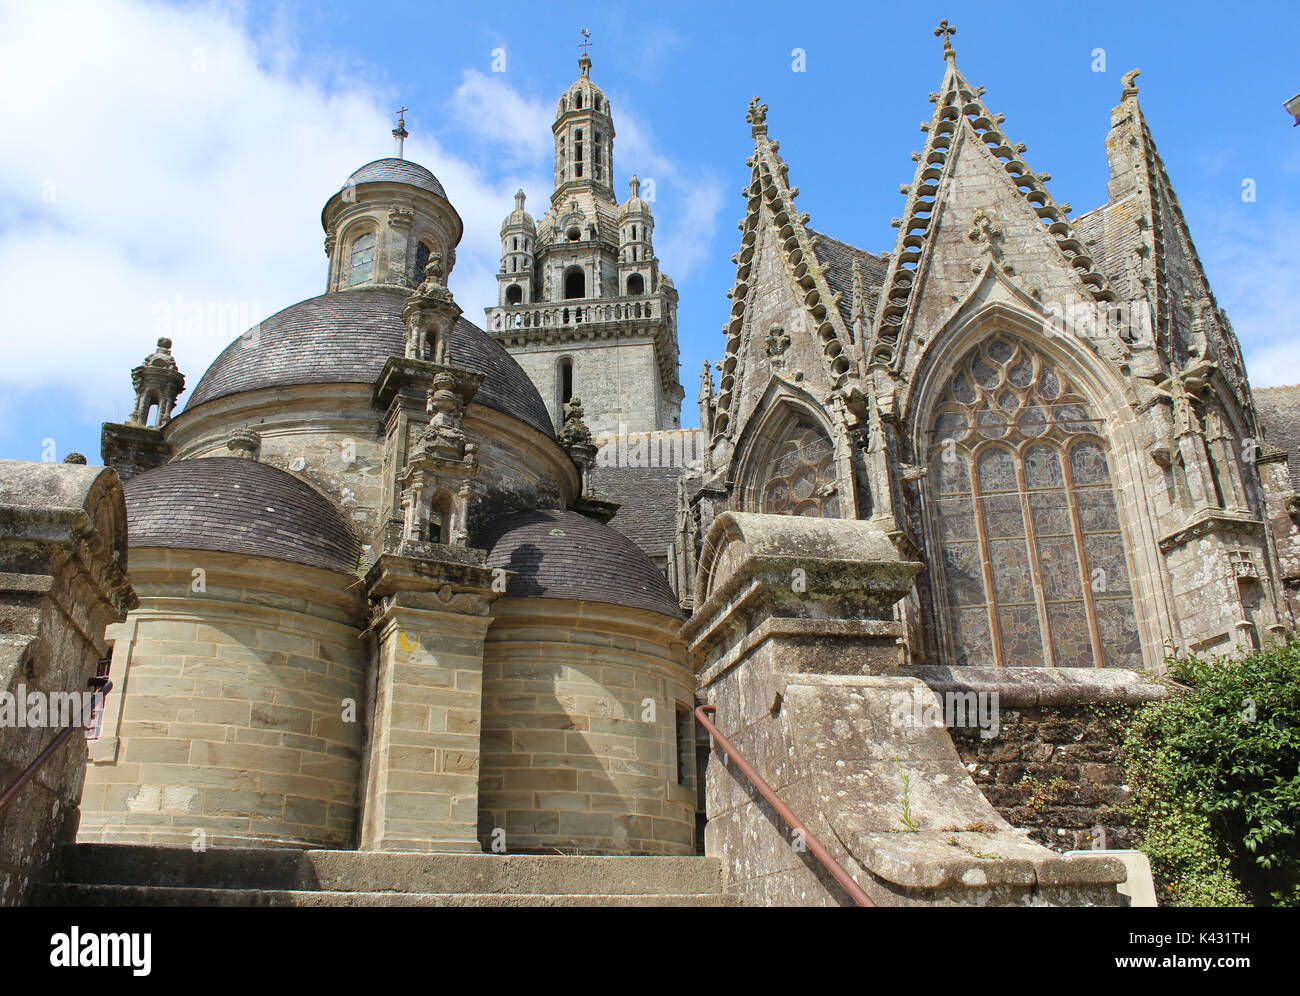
(799, 476)
(361, 261)
(1031, 568)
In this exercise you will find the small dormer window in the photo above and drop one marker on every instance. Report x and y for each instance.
(573, 235)
(577, 101)
(361, 260)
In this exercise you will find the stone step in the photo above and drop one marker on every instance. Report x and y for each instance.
(80, 894)
(292, 871)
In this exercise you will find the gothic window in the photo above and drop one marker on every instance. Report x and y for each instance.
(635, 285)
(577, 101)
(361, 260)
(514, 294)
(798, 474)
(1031, 568)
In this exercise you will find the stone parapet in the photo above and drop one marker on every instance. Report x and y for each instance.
(62, 581)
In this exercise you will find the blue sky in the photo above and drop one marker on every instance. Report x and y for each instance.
(163, 155)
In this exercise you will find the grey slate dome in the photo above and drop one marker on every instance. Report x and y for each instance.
(345, 337)
(237, 505)
(397, 171)
(566, 555)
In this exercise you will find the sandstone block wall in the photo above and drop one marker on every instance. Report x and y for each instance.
(570, 761)
(233, 725)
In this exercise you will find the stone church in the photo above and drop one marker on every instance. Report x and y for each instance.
(399, 583)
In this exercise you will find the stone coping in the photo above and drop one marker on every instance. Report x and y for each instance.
(1041, 686)
(943, 859)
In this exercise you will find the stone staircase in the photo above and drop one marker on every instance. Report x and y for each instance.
(140, 875)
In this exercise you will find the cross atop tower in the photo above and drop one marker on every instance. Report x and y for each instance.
(400, 134)
(947, 31)
(584, 62)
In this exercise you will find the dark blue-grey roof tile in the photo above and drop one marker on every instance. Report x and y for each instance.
(237, 505)
(346, 337)
(560, 554)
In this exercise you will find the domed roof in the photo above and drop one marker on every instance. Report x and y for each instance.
(345, 337)
(566, 555)
(397, 171)
(584, 86)
(237, 505)
(518, 218)
(634, 204)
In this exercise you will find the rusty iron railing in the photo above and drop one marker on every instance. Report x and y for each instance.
(814, 845)
(102, 687)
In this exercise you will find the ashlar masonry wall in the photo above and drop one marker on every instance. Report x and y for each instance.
(242, 707)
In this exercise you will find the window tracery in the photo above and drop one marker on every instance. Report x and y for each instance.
(1032, 569)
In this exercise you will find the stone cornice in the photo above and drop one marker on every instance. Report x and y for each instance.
(1209, 521)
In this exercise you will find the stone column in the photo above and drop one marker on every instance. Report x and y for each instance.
(62, 580)
(430, 619)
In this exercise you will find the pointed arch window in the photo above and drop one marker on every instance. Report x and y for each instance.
(794, 469)
(1031, 568)
(361, 259)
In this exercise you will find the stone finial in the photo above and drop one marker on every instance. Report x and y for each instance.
(575, 437)
(1130, 87)
(575, 429)
(634, 186)
(78, 458)
(947, 31)
(157, 381)
(520, 197)
(430, 312)
(757, 117)
(245, 442)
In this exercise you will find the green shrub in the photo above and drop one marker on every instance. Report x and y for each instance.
(1214, 772)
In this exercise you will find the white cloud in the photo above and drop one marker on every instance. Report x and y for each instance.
(1247, 255)
(687, 202)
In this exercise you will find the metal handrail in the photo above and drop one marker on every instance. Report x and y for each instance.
(818, 849)
(102, 687)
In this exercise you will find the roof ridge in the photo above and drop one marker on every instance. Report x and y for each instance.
(957, 101)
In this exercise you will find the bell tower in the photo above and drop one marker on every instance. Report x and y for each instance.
(582, 304)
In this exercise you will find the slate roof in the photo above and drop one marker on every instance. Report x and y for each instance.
(345, 337)
(837, 258)
(1278, 409)
(237, 505)
(398, 171)
(561, 554)
(647, 498)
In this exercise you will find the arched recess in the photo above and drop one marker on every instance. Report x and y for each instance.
(635, 285)
(514, 294)
(440, 516)
(1028, 556)
(575, 283)
(789, 464)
